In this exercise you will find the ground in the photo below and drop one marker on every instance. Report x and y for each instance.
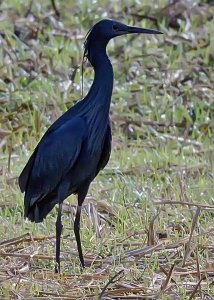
(147, 223)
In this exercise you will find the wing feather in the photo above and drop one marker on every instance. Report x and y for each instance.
(54, 156)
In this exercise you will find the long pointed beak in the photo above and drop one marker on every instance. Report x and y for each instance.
(132, 29)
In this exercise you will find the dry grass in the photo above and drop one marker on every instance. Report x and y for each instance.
(147, 224)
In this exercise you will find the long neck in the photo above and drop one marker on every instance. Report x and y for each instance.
(101, 89)
(98, 100)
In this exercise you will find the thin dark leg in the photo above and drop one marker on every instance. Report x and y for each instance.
(77, 235)
(59, 227)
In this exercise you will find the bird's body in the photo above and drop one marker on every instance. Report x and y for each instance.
(73, 150)
(77, 145)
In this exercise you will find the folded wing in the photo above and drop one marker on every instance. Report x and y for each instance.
(54, 156)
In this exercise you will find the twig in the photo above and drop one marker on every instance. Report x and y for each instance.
(112, 280)
(25, 238)
(165, 272)
(168, 278)
(14, 240)
(182, 140)
(152, 236)
(149, 249)
(201, 205)
(195, 272)
(29, 9)
(9, 154)
(188, 250)
(26, 256)
(55, 8)
(151, 18)
(196, 288)
(198, 271)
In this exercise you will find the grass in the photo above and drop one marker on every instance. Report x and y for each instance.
(148, 217)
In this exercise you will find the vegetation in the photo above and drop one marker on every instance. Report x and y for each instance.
(148, 219)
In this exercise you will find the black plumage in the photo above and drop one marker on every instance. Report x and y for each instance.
(77, 146)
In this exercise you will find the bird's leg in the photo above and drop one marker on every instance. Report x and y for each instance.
(59, 227)
(81, 197)
(77, 235)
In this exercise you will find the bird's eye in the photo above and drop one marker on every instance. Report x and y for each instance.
(115, 27)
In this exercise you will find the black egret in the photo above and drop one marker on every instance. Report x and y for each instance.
(77, 145)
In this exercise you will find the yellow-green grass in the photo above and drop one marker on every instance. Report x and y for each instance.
(150, 212)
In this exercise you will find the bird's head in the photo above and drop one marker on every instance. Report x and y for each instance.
(103, 31)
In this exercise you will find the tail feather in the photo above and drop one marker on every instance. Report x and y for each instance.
(38, 212)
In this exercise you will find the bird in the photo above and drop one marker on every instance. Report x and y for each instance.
(77, 145)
